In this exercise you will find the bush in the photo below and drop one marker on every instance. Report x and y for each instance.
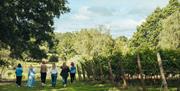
(9, 74)
(53, 58)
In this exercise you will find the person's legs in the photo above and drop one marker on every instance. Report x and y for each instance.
(33, 81)
(41, 77)
(30, 82)
(55, 79)
(65, 80)
(52, 80)
(45, 78)
(16, 80)
(20, 79)
(72, 77)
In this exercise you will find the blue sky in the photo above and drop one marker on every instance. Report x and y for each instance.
(120, 16)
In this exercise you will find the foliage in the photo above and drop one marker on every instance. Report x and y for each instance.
(170, 35)
(148, 32)
(64, 46)
(25, 25)
(54, 58)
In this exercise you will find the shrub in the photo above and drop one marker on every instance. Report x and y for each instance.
(53, 58)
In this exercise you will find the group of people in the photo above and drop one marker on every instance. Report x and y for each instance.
(43, 71)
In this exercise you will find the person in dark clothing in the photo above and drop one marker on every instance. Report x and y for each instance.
(64, 73)
(72, 72)
(19, 72)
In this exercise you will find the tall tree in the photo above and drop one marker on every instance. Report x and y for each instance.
(170, 35)
(65, 44)
(25, 25)
(148, 32)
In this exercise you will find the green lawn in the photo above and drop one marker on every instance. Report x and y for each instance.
(78, 86)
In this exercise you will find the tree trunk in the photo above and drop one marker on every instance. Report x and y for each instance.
(141, 72)
(83, 72)
(2, 70)
(110, 72)
(101, 72)
(123, 76)
(93, 71)
(79, 73)
(162, 72)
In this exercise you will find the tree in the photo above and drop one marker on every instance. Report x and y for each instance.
(25, 25)
(93, 42)
(146, 40)
(170, 35)
(65, 44)
(148, 32)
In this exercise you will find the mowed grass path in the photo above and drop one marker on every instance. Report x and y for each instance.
(77, 86)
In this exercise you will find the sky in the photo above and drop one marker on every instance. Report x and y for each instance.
(121, 17)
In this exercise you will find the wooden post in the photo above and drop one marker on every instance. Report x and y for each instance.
(110, 72)
(162, 72)
(140, 72)
(79, 73)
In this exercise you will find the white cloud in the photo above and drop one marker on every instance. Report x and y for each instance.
(121, 16)
(125, 24)
(88, 13)
(81, 17)
(83, 14)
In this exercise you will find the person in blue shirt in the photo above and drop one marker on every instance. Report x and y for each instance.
(72, 72)
(19, 72)
(31, 76)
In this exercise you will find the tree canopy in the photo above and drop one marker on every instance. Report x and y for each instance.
(147, 35)
(169, 37)
(25, 25)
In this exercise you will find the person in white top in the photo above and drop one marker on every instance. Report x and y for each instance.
(54, 73)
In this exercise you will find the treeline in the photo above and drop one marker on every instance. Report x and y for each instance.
(152, 53)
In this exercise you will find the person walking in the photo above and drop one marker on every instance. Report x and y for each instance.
(64, 73)
(31, 76)
(72, 72)
(19, 72)
(43, 72)
(54, 73)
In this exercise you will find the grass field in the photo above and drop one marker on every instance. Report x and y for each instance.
(78, 86)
